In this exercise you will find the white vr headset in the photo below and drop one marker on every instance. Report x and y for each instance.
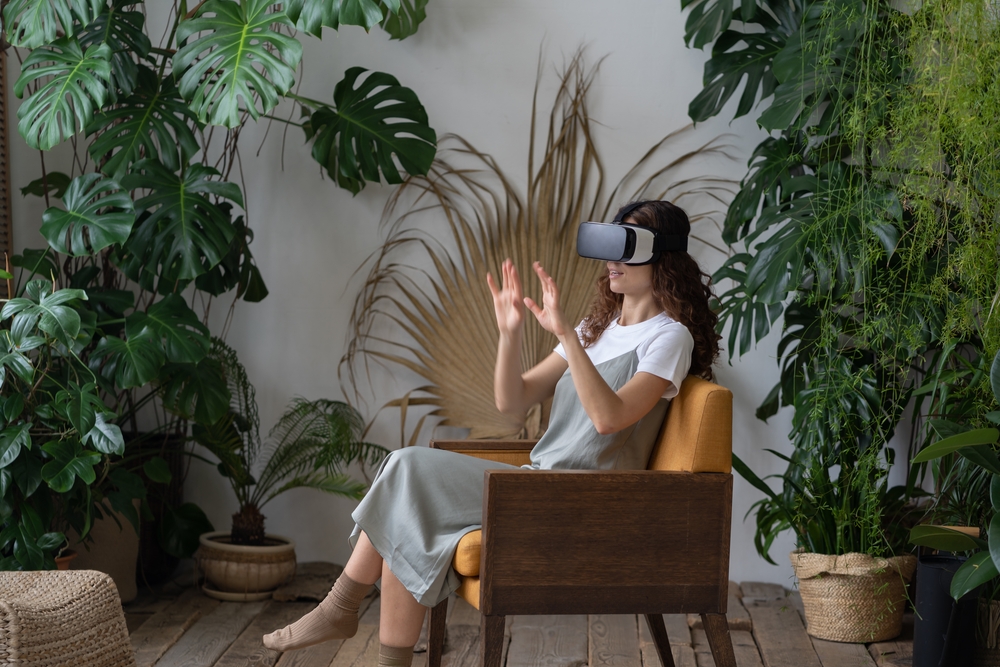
(618, 241)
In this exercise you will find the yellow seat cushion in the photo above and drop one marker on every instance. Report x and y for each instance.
(467, 555)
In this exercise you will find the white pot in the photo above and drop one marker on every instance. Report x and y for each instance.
(245, 572)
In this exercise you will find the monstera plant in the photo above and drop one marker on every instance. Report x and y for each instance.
(144, 222)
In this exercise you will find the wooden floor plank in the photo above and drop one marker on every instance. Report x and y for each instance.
(312, 581)
(548, 641)
(683, 653)
(164, 628)
(134, 621)
(778, 631)
(462, 649)
(745, 649)
(761, 592)
(248, 649)
(211, 635)
(320, 655)
(678, 630)
(838, 654)
(614, 641)
(361, 649)
(463, 613)
(892, 654)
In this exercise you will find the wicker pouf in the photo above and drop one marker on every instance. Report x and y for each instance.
(853, 597)
(67, 618)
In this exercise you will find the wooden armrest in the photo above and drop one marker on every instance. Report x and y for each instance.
(501, 445)
(511, 452)
(642, 540)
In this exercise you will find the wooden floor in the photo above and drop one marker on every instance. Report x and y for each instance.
(181, 627)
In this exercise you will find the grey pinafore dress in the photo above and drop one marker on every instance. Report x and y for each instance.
(424, 500)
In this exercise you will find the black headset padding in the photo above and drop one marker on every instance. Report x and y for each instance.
(622, 214)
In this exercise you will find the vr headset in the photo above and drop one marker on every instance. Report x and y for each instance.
(618, 241)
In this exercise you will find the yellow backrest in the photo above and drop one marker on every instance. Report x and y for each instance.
(697, 434)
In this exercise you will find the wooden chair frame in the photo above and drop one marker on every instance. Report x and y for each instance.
(645, 542)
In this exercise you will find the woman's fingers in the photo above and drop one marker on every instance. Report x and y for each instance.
(493, 286)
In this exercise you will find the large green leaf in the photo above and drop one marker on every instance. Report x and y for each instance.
(736, 55)
(76, 84)
(98, 214)
(12, 439)
(57, 319)
(365, 13)
(974, 572)
(995, 377)
(69, 461)
(20, 364)
(224, 69)
(196, 391)
(185, 233)
(172, 322)
(122, 31)
(403, 21)
(152, 122)
(132, 362)
(237, 269)
(944, 539)
(80, 405)
(372, 124)
(32, 23)
(954, 443)
(106, 437)
(706, 21)
(181, 528)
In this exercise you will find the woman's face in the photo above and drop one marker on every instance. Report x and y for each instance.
(630, 280)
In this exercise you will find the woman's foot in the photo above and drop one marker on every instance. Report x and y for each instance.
(336, 617)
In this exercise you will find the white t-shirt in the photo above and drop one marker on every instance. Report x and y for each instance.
(663, 346)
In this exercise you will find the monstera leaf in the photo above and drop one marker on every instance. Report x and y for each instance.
(131, 362)
(152, 123)
(224, 69)
(123, 32)
(314, 15)
(372, 123)
(65, 103)
(33, 23)
(403, 21)
(707, 20)
(50, 309)
(83, 229)
(184, 233)
(184, 339)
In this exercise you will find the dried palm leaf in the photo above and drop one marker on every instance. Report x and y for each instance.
(440, 318)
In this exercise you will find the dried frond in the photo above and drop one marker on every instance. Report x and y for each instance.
(440, 316)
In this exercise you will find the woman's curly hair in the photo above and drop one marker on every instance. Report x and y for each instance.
(680, 288)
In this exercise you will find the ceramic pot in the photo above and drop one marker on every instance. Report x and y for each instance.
(62, 562)
(240, 572)
(114, 551)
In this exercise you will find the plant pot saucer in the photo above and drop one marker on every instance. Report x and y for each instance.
(213, 592)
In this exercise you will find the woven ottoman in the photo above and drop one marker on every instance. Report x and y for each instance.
(69, 617)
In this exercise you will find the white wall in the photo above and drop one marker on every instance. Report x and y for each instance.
(473, 64)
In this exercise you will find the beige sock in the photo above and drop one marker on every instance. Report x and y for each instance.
(394, 656)
(336, 617)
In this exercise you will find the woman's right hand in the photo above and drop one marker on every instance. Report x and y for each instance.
(508, 299)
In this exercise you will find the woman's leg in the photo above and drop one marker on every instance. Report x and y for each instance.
(400, 621)
(336, 617)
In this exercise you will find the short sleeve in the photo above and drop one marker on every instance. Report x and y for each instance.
(667, 355)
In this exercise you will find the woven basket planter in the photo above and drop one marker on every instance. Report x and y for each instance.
(243, 570)
(854, 597)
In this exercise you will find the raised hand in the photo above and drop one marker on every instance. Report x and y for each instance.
(550, 314)
(508, 300)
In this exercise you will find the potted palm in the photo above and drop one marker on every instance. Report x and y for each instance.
(309, 447)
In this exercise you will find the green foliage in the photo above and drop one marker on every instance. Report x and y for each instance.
(866, 221)
(98, 214)
(373, 122)
(309, 447)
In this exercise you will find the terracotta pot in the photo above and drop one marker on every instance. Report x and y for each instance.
(62, 562)
(247, 571)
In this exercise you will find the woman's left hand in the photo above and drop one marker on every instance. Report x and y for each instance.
(550, 316)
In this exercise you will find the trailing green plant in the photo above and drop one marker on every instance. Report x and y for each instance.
(867, 219)
(107, 322)
(309, 447)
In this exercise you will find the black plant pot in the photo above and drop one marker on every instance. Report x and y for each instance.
(155, 565)
(944, 631)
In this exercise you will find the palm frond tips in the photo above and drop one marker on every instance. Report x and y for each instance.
(424, 305)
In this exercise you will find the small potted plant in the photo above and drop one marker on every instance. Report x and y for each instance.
(309, 447)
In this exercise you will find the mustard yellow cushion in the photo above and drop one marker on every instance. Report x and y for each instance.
(697, 434)
(467, 555)
(468, 590)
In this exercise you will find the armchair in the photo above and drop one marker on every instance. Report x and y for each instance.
(649, 542)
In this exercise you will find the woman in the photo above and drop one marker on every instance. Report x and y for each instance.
(650, 326)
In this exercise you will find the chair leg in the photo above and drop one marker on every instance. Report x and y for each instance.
(491, 640)
(435, 636)
(660, 638)
(717, 629)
